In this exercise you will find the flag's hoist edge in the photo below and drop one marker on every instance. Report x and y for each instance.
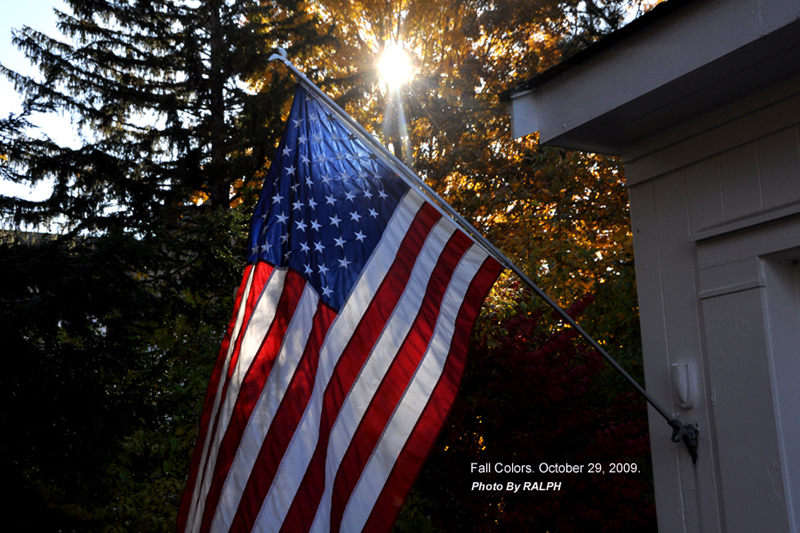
(318, 420)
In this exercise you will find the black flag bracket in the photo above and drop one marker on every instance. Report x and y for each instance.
(688, 433)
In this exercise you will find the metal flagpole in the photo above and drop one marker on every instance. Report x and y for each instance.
(688, 433)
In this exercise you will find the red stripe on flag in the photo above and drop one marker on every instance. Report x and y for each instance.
(396, 379)
(262, 275)
(282, 429)
(251, 388)
(211, 392)
(427, 429)
(304, 506)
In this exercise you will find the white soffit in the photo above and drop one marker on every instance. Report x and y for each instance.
(701, 56)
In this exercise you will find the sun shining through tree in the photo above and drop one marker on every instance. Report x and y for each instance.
(396, 70)
(394, 67)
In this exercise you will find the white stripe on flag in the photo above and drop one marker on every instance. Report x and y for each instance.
(257, 327)
(278, 381)
(414, 399)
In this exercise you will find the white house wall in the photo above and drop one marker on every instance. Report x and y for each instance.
(715, 213)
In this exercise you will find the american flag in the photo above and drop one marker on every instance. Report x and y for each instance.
(346, 345)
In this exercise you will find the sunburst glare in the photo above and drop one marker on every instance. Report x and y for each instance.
(394, 66)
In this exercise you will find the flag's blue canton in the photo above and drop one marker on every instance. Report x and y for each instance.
(326, 201)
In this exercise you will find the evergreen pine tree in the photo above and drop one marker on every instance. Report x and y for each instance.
(112, 326)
